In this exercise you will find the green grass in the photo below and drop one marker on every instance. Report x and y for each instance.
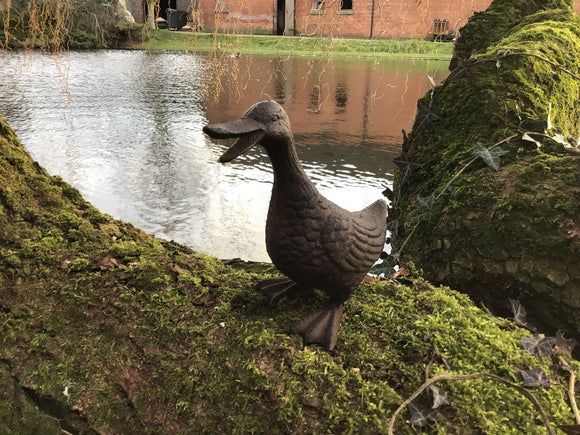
(296, 46)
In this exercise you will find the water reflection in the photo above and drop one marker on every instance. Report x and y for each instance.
(130, 138)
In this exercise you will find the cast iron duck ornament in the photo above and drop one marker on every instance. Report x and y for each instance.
(313, 241)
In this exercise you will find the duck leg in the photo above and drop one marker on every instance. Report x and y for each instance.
(321, 326)
(274, 289)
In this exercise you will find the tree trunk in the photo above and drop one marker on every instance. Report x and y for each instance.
(489, 182)
(151, 13)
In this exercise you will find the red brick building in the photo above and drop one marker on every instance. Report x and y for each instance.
(420, 19)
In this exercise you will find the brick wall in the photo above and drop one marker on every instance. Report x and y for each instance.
(391, 18)
(238, 15)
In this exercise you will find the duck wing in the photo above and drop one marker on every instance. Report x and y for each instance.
(354, 241)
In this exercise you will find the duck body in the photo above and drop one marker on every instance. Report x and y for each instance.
(313, 240)
(310, 239)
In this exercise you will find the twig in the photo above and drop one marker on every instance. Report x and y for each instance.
(438, 378)
(429, 363)
(571, 390)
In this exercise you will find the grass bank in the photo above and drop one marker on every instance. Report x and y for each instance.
(296, 46)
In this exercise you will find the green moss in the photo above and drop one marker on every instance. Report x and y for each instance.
(17, 413)
(502, 18)
(124, 333)
(494, 229)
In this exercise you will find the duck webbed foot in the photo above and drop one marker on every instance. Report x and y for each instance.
(274, 289)
(321, 326)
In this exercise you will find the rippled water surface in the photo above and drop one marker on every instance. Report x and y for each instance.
(124, 127)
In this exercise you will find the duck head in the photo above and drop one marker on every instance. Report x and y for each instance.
(265, 123)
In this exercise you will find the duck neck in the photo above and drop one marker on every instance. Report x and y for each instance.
(289, 176)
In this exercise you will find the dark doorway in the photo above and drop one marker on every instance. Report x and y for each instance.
(280, 16)
(164, 4)
(161, 10)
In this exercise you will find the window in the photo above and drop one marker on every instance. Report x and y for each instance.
(346, 5)
(317, 8)
(318, 5)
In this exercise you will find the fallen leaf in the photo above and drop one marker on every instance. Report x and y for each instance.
(538, 345)
(108, 262)
(565, 345)
(421, 416)
(535, 378)
(313, 402)
(400, 273)
(528, 138)
(561, 139)
(520, 315)
(65, 264)
(439, 399)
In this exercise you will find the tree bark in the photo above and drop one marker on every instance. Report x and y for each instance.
(489, 180)
(152, 13)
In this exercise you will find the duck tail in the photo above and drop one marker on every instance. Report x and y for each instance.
(321, 326)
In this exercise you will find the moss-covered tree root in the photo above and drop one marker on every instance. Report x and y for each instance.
(105, 329)
(512, 232)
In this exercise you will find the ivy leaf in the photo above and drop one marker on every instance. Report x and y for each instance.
(425, 213)
(439, 399)
(427, 202)
(535, 378)
(450, 190)
(570, 429)
(406, 168)
(519, 311)
(386, 267)
(421, 416)
(565, 345)
(490, 156)
(425, 116)
(538, 345)
(520, 315)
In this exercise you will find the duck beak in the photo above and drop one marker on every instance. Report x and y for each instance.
(248, 132)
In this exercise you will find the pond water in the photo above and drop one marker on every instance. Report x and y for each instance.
(125, 128)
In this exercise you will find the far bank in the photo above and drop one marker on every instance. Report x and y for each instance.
(294, 46)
